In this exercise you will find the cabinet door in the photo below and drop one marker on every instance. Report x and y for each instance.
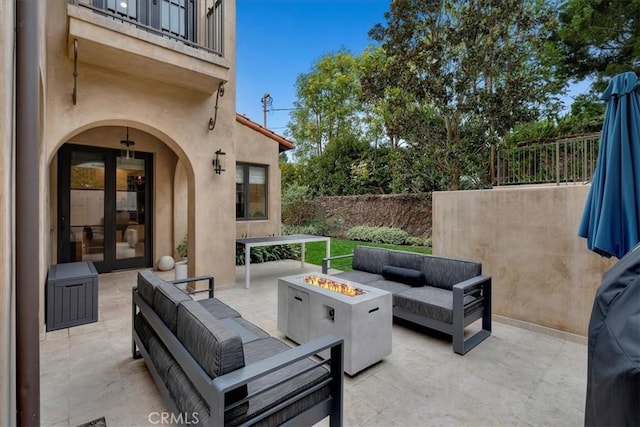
(298, 318)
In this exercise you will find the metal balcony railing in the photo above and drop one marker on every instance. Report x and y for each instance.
(565, 160)
(177, 19)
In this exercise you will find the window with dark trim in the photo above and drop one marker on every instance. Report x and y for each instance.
(252, 183)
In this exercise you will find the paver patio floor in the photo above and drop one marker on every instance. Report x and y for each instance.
(516, 377)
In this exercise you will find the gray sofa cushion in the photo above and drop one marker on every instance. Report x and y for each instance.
(189, 403)
(408, 276)
(147, 282)
(250, 327)
(219, 309)
(370, 259)
(390, 286)
(446, 272)
(216, 348)
(266, 347)
(145, 332)
(435, 303)
(161, 358)
(166, 299)
(406, 259)
(359, 276)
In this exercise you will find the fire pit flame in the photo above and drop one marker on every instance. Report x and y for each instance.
(334, 286)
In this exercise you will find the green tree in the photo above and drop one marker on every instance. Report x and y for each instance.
(598, 39)
(331, 173)
(327, 104)
(586, 116)
(290, 173)
(473, 63)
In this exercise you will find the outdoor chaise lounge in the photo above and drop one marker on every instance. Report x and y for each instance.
(444, 294)
(215, 368)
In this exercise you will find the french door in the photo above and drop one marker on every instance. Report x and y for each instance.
(104, 207)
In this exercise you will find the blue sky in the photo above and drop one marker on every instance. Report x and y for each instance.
(277, 40)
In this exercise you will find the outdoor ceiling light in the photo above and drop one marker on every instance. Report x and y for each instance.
(218, 162)
(128, 147)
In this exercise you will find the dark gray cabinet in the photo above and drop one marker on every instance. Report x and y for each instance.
(72, 295)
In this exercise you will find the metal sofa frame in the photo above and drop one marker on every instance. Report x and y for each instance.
(479, 286)
(213, 391)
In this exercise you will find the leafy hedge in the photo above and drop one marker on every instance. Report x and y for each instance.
(313, 229)
(268, 253)
(389, 235)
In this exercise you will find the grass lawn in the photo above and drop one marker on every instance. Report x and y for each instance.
(315, 251)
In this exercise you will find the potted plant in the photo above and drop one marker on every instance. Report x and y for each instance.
(181, 266)
(183, 248)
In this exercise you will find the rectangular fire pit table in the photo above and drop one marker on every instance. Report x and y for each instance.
(363, 321)
(251, 242)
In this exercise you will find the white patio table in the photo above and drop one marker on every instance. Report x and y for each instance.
(301, 239)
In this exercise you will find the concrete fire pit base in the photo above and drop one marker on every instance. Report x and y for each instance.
(306, 312)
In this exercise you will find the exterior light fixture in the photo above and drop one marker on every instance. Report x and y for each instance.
(218, 162)
(128, 147)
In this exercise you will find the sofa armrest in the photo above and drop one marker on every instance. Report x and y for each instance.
(196, 279)
(243, 376)
(476, 284)
(480, 288)
(326, 262)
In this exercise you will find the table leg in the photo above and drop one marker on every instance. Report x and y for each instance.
(247, 266)
(328, 250)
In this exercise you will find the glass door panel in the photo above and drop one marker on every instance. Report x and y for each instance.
(104, 203)
(86, 215)
(130, 208)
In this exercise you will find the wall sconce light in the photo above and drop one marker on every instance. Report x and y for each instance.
(218, 162)
(128, 147)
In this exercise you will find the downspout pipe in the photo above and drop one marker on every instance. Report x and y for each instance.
(27, 207)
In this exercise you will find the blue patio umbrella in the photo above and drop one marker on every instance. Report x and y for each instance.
(611, 218)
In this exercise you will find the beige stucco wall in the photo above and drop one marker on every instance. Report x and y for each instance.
(180, 207)
(167, 120)
(254, 147)
(526, 239)
(7, 283)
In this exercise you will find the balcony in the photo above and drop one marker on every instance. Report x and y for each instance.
(177, 42)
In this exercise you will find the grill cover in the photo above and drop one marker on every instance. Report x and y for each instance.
(613, 370)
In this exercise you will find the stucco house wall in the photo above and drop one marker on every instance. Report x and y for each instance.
(7, 278)
(167, 120)
(253, 146)
(131, 78)
(527, 240)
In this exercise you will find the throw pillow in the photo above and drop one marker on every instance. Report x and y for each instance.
(407, 276)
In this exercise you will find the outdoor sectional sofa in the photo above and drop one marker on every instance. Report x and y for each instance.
(214, 368)
(444, 294)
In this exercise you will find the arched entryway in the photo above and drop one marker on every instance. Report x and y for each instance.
(105, 204)
(115, 211)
